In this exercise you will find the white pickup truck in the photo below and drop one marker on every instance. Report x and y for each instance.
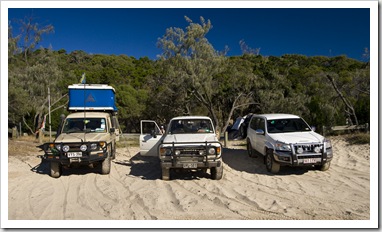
(287, 140)
(190, 142)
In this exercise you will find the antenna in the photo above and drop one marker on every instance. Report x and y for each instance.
(83, 81)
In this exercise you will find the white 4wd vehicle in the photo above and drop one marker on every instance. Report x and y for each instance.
(189, 143)
(287, 140)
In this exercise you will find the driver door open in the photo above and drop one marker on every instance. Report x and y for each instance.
(149, 138)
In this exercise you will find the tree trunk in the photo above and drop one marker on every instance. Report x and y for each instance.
(346, 102)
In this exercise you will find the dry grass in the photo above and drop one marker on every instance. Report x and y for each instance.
(23, 145)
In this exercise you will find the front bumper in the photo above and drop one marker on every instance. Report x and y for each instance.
(292, 158)
(191, 165)
(189, 157)
(82, 157)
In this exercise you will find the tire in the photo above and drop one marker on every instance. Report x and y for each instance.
(106, 166)
(114, 151)
(165, 174)
(324, 167)
(271, 164)
(55, 169)
(249, 148)
(217, 173)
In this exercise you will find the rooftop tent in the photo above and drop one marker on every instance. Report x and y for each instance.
(91, 97)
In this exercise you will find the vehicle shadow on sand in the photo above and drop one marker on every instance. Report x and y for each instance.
(145, 167)
(44, 169)
(148, 168)
(239, 160)
(41, 168)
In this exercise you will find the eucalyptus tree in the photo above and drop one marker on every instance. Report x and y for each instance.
(30, 73)
(31, 34)
(205, 74)
(191, 59)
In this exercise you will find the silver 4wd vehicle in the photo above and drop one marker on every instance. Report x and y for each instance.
(84, 138)
(189, 143)
(287, 140)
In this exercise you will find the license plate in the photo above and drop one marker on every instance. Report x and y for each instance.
(190, 165)
(309, 161)
(74, 154)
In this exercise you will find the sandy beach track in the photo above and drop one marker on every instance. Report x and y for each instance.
(134, 189)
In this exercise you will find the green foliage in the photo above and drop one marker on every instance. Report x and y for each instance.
(190, 78)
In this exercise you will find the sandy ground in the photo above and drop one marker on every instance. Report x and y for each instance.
(134, 189)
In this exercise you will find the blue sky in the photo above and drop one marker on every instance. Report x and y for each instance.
(276, 31)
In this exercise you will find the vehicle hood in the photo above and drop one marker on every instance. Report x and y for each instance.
(197, 138)
(81, 137)
(298, 137)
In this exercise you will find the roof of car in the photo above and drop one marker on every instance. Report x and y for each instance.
(191, 117)
(90, 114)
(277, 116)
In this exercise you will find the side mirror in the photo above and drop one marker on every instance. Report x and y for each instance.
(112, 130)
(260, 132)
(313, 128)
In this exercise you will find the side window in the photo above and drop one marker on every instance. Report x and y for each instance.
(149, 127)
(261, 124)
(253, 123)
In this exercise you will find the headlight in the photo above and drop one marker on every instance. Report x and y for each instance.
(282, 147)
(83, 147)
(300, 150)
(58, 147)
(168, 151)
(211, 151)
(202, 152)
(65, 148)
(93, 146)
(328, 143)
(177, 152)
(317, 149)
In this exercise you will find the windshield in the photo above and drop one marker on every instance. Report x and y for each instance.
(88, 125)
(287, 125)
(189, 126)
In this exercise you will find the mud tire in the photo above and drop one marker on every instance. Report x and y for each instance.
(55, 169)
(324, 167)
(165, 174)
(106, 166)
(271, 164)
(249, 149)
(217, 173)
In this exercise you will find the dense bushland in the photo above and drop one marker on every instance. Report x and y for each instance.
(189, 78)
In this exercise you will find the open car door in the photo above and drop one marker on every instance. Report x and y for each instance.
(149, 138)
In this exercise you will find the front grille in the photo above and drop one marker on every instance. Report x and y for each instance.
(307, 148)
(190, 151)
(75, 147)
(310, 156)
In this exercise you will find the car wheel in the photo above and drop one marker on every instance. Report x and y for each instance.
(165, 174)
(106, 166)
(271, 164)
(324, 167)
(55, 169)
(249, 148)
(217, 173)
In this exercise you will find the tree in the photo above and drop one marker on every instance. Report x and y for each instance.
(31, 34)
(192, 60)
